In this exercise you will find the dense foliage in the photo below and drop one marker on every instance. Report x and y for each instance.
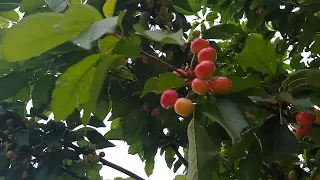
(82, 60)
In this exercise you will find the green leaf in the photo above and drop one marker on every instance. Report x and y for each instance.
(42, 90)
(10, 15)
(243, 83)
(108, 43)
(135, 148)
(196, 4)
(57, 5)
(315, 48)
(163, 82)
(22, 138)
(277, 140)
(314, 133)
(180, 177)
(301, 101)
(250, 168)
(222, 31)
(148, 168)
(13, 83)
(129, 46)
(73, 87)
(169, 157)
(95, 31)
(161, 36)
(7, 5)
(100, 74)
(229, 113)
(38, 33)
(258, 54)
(312, 78)
(31, 5)
(96, 138)
(182, 7)
(201, 152)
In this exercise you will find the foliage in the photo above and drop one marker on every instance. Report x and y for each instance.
(82, 60)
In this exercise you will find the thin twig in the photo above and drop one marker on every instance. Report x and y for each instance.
(107, 163)
(167, 64)
(121, 169)
(175, 149)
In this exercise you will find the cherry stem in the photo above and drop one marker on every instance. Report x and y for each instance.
(107, 163)
(165, 63)
(192, 61)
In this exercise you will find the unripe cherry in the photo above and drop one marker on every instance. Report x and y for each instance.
(205, 69)
(168, 98)
(198, 44)
(196, 34)
(207, 54)
(183, 107)
(102, 154)
(304, 119)
(220, 85)
(200, 86)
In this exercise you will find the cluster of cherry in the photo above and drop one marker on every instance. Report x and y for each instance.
(202, 83)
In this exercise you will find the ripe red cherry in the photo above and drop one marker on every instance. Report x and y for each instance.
(168, 98)
(302, 131)
(220, 85)
(176, 72)
(207, 54)
(304, 119)
(198, 44)
(154, 112)
(205, 69)
(200, 86)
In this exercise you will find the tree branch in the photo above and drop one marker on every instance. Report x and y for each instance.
(107, 163)
(121, 169)
(165, 63)
(175, 149)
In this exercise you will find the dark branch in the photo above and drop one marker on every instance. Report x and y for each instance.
(107, 163)
(116, 167)
(175, 149)
(165, 63)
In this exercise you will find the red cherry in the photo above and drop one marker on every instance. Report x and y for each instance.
(168, 98)
(154, 112)
(102, 154)
(304, 119)
(220, 85)
(181, 72)
(205, 69)
(302, 131)
(207, 54)
(200, 86)
(198, 44)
